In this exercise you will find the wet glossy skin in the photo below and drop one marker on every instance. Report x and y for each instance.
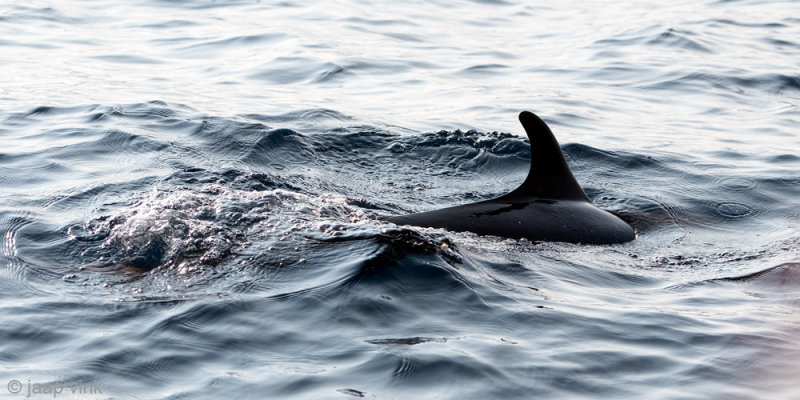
(549, 206)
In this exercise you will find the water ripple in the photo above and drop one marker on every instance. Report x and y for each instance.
(193, 196)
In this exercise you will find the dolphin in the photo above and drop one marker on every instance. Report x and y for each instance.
(549, 206)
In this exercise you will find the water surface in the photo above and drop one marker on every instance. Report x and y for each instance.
(192, 193)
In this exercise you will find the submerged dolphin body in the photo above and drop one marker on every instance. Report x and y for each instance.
(548, 206)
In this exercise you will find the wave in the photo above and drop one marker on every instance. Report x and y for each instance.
(181, 176)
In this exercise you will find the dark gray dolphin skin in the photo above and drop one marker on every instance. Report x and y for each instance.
(548, 206)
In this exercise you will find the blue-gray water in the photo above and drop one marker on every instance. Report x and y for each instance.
(191, 194)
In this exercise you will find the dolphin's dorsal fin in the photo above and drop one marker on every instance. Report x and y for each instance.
(549, 177)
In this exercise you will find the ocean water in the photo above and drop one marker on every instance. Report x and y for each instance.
(192, 192)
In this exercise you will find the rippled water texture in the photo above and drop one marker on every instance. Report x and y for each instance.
(192, 193)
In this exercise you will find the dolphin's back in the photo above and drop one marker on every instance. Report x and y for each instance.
(559, 221)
